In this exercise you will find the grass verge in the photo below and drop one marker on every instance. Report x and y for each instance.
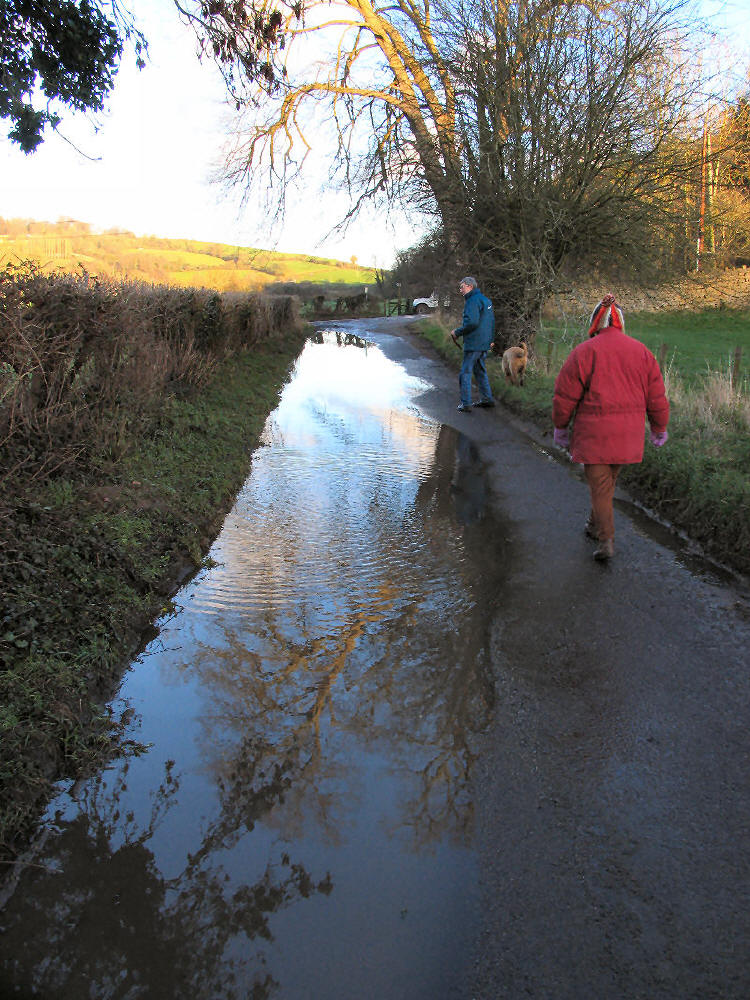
(699, 481)
(697, 345)
(89, 561)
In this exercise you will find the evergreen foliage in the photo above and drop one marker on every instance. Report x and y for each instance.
(63, 52)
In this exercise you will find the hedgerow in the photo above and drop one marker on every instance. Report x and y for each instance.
(128, 414)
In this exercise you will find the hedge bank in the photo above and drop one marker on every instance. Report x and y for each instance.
(128, 416)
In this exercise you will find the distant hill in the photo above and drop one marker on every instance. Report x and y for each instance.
(71, 246)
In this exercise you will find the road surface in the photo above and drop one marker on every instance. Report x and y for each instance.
(612, 791)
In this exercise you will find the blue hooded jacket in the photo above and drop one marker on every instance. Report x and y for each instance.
(478, 325)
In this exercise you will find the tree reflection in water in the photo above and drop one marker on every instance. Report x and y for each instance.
(362, 578)
(398, 665)
(343, 338)
(108, 923)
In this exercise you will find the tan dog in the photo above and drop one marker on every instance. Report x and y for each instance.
(515, 360)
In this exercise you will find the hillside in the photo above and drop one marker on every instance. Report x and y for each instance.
(71, 246)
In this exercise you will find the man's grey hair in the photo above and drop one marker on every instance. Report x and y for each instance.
(471, 282)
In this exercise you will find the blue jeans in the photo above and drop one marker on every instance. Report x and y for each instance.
(473, 364)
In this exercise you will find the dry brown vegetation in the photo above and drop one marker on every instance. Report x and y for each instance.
(83, 360)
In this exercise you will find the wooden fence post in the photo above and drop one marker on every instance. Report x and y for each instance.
(735, 377)
(550, 349)
(662, 356)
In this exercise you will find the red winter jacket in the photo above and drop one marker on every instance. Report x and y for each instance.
(610, 383)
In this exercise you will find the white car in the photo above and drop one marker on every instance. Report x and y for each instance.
(427, 305)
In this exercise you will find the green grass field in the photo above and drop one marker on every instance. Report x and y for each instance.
(692, 345)
(697, 344)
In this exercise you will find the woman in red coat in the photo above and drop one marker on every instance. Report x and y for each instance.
(609, 384)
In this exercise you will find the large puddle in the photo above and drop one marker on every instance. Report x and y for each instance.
(301, 823)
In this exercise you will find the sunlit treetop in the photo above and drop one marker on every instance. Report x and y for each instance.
(241, 37)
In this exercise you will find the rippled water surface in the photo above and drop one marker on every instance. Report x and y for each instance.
(301, 824)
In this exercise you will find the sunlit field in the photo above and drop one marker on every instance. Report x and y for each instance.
(187, 263)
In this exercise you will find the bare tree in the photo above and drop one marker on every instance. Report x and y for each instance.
(573, 116)
(532, 132)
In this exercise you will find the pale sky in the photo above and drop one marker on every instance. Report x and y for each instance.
(154, 156)
(157, 148)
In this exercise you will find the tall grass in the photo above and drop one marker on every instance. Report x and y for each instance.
(717, 404)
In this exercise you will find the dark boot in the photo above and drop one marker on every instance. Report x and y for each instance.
(605, 550)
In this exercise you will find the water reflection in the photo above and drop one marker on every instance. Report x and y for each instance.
(107, 922)
(342, 338)
(304, 815)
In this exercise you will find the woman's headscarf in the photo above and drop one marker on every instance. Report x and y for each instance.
(607, 313)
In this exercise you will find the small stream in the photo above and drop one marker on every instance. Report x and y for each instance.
(300, 824)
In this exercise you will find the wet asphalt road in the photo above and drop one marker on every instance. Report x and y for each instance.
(612, 793)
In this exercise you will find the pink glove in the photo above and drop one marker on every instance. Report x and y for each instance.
(658, 438)
(561, 437)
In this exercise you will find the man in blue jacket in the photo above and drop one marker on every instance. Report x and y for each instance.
(478, 331)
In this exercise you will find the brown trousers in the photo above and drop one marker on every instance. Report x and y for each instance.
(602, 480)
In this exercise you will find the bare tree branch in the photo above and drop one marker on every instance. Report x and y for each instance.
(538, 134)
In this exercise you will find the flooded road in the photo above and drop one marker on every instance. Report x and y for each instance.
(301, 821)
(405, 739)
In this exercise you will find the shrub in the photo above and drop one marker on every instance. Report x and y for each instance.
(86, 359)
